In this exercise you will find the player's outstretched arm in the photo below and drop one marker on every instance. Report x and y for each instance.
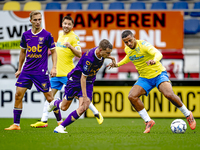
(113, 64)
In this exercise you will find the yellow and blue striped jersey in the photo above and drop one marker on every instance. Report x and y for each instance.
(143, 52)
(65, 55)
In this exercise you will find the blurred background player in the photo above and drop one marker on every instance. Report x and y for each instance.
(146, 59)
(67, 47)
(80, 83)
(34, 47)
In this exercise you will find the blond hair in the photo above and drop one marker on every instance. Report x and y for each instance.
(34, 13)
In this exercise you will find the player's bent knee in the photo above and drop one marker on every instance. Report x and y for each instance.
(49, 99)
(64, 108)
(18, 97)
(132, 98)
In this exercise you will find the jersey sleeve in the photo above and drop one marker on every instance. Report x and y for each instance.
(51, 43)
(23, 42)
(125, 60)
(154, 52)
(76, 43)
(87, 63)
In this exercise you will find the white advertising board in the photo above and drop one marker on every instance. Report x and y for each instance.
(33, 101)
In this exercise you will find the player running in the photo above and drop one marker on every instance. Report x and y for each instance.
(146, 59)
(80, 83)
(67, 47)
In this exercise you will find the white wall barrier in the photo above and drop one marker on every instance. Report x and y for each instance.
(33, 101)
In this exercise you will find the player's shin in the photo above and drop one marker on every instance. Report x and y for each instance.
(70, 119)
(184, 110)
(57, 114)
(144, 115)
(17, 115)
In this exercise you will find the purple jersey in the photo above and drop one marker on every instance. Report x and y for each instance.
(37, 46)
(89, 64)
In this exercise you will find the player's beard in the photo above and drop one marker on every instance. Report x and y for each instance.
(130, 46)
(66, 30)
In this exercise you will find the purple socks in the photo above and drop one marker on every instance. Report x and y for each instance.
(17, 115)
(70, 119)
(57, 113)
(57, 103)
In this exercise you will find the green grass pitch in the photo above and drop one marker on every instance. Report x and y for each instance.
(87, 134)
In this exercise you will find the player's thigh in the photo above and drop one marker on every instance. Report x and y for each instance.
(20, 91)
(142, 87)
(137, 91)
(54, 91)
(65, 104)
(165, 88)
(48, 96)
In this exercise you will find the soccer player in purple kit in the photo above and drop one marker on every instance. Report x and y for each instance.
(34, 46)
(67, 47)
(80, 83)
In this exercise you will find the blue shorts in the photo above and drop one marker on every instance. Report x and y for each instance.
(73, 89)
(58, 82)
(41, 82)
(149, 84)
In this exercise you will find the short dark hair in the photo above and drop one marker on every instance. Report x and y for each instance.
(104, 44)
(126, 33)
(68, 18)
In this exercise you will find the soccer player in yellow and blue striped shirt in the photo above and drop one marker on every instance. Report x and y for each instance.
(152, 73)
(67, 47)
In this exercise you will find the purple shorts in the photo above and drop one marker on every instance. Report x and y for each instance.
(73, 88)
(41, 82)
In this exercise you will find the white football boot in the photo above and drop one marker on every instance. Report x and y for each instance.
(59, 129)
(51, 106)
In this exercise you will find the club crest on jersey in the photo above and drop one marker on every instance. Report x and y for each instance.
(41, 40)
(137, 49)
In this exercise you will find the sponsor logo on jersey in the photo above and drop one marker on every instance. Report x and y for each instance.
(134, 58)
